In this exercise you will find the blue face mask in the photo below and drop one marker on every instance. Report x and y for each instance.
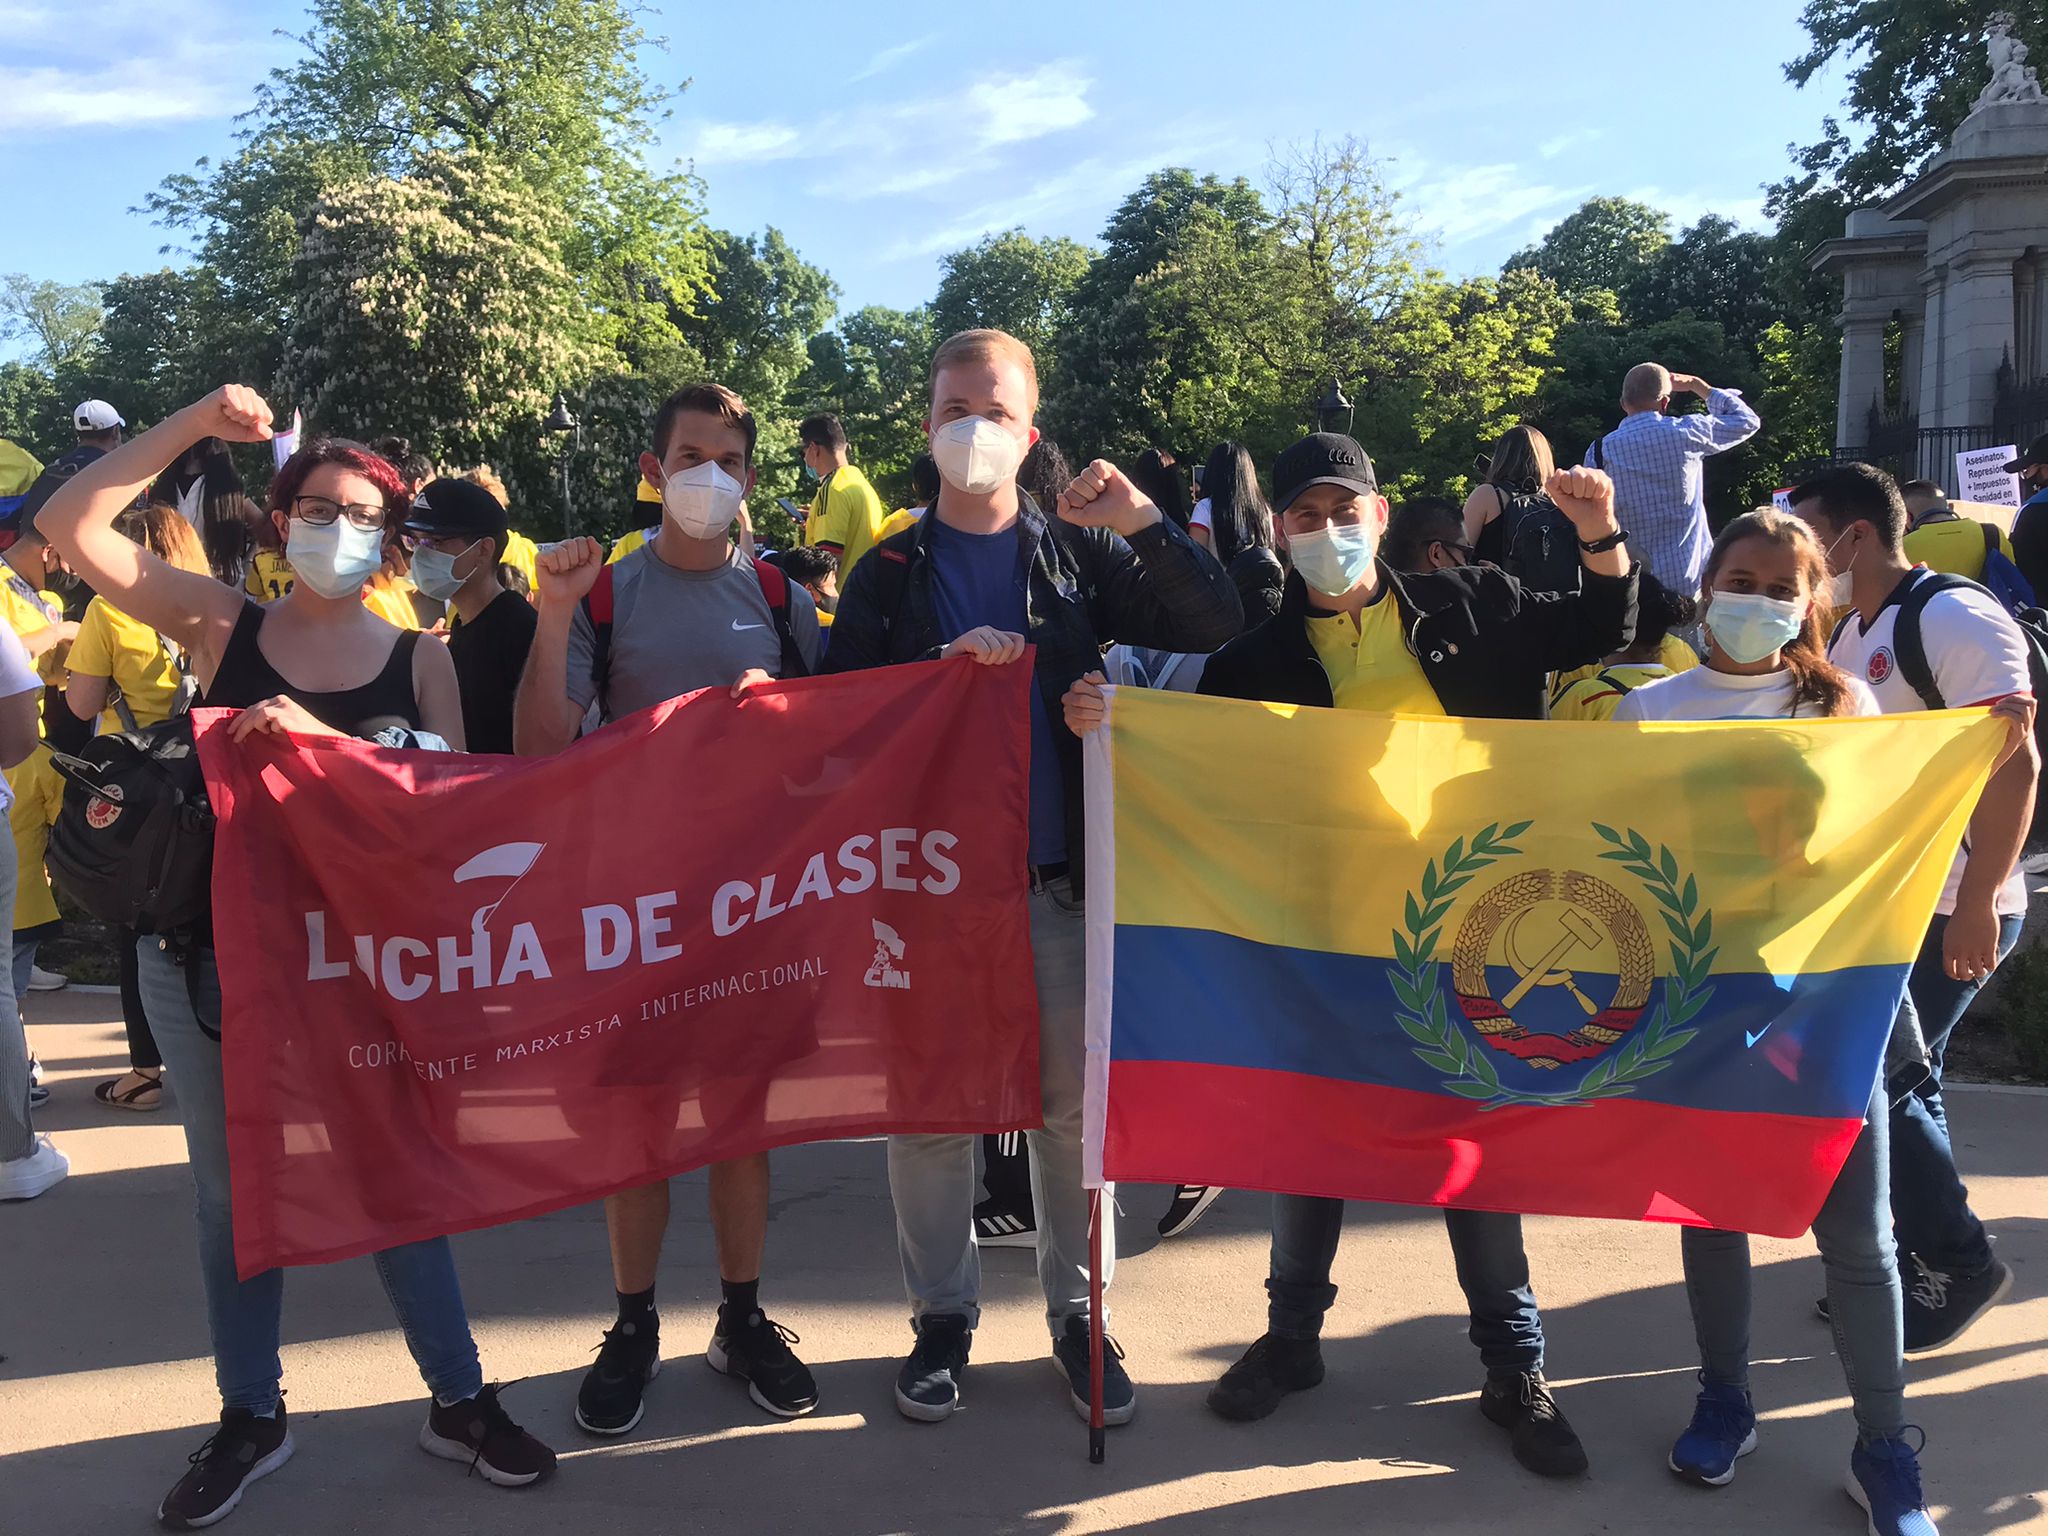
(1749, 626)
(433, 572)
(1333, 559)
(334, 560)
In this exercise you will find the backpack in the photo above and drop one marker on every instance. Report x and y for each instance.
(598, 608)
(133, 841)
(2002, 579)
(181, 699)
(1539, 546)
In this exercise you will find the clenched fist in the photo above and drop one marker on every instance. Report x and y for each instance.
(568, 571)
(1102, 496)
(1586, 496)
(234, 413)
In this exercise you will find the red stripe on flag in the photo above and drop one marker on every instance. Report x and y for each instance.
(1626, 1159)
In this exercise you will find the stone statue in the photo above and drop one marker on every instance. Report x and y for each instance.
(2012, 79)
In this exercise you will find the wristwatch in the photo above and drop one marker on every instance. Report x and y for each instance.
(1601, 546)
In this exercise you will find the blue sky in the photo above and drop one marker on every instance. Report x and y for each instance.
(879, 135)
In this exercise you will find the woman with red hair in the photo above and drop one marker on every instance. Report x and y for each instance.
(315, 662)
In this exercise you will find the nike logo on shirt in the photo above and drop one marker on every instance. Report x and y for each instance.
(738, 626)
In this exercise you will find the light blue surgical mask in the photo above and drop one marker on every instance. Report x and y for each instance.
(334, 560)
(433, 572)
(1749, 626)
(1334, 558)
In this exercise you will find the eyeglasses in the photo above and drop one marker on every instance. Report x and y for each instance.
(320, 512)
(448, 544)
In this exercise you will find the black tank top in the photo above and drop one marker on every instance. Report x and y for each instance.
(245, 677)
(1487, 547)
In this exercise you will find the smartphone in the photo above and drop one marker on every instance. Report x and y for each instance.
(791, 508)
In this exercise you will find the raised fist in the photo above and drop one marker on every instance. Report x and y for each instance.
(1586, 496)
(1102, 496)
(237, 414)
(568, 571)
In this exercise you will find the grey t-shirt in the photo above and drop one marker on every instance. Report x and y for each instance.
(677, 631)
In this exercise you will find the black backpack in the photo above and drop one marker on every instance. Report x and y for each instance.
(133, 842)
(1539, 546)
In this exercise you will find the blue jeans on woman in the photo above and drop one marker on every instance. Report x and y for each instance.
(1865, 1305)
(1493, 1269)
(1930, 1207)
(244, 1315)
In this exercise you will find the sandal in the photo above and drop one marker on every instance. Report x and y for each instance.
(146, 1095)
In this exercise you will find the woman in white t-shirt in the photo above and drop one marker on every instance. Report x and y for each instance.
(1764, 600)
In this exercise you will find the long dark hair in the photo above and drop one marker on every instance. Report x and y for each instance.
(1044, 475)
(1815, 679)
(1239, 518)
(1521, 460)
(1154, 473)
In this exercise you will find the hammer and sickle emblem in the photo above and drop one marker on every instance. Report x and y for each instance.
(1548, 970)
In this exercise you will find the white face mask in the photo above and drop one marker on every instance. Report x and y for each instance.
(702, 501)
(1841, 585)
(975, 455)
(334, 560)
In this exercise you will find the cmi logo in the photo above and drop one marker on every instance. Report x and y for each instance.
(882, 970)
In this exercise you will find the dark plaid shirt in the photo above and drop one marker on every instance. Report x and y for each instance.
(1087, 588)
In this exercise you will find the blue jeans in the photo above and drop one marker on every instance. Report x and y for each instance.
(1931, 1213)
(24, 963)
(243, 1315)
(1864, 1302)
(1493, 1270)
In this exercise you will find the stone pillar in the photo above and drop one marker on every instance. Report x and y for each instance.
(1862, 375)
(2040, 368)
(1934, 341)
(1979, 333)
(1912, 344)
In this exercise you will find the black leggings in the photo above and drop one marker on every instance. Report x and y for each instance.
(143, 1055)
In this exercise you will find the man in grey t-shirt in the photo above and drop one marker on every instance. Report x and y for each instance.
(687, 612)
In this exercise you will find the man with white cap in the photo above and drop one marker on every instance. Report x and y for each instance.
(98, 426)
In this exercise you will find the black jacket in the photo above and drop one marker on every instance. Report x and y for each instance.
(1087, 588)
(1485, 641)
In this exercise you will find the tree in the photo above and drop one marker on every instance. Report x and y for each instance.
(1012, 283)
(874, 373)
(1915, 67)
(1607, 242)
(439, 304)
(1713, 270)
(164, 339)
(59, 321)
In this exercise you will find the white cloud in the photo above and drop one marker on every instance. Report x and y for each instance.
(1031, 106)
(1479, 200)
(1551, 148)
(890, 57)
(739, 143)
(1745, 208)
(48, 98)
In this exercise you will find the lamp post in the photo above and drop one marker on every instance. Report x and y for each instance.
(1334, 411)
(562, 423)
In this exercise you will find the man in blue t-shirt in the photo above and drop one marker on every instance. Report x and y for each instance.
(984, 576)
(2030, 525)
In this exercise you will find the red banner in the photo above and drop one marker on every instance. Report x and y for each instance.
(460, 990)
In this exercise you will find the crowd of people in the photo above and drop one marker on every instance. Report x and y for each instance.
(371, 596)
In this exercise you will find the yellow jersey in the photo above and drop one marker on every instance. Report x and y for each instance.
(1596, 695)
(847, 512)
(897, 521)
(627, 545)
(1954, 544)
(520, 553)
(390, 598)
(1673, 656)
(270, 576)
(1369, 663)
(133, 657)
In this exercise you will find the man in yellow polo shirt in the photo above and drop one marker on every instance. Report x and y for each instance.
(1354, 633)
(1941, 539)
(846, 514)
(39, 621)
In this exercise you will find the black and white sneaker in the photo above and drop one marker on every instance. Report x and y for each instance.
(479, 1431)
(243, 1449)
(997, 1226)
(928, 1386)
(1940, 1306)
(1070, 1354)
(757, 1352)
(1190, 1202)
(609, 1401)
(38, 1090)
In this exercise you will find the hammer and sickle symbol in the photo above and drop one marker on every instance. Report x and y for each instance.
(1548, 971)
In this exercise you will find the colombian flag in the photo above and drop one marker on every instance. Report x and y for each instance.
(1645, 972)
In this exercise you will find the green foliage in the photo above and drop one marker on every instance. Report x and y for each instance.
(57, 320)
(2022, 996)
(1608, 242)
(874, 373)
(1013, 283)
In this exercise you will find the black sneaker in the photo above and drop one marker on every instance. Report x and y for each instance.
(1070, 1354)
(1265, 1373)
(1545, 1442)
(928, 1386)
(1940, 1307)
(243, 1449)
(997, 1226)
(758, 1353)
(608, 1403)
(1190, 1203)
(479, 1431)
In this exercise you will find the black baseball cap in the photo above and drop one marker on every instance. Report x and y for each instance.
(450, 508)
(1327, 458)
(2037, 453)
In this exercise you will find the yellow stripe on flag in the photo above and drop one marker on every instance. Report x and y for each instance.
(1310, 828)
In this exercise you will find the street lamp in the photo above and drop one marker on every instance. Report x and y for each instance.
(1333, 411)
(562, 423)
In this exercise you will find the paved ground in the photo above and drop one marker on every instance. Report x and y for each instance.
(107, 1386)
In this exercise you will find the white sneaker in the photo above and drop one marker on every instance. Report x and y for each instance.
(40, 980)
(23, 1178)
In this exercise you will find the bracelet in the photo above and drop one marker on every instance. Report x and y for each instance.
(1613, 540)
